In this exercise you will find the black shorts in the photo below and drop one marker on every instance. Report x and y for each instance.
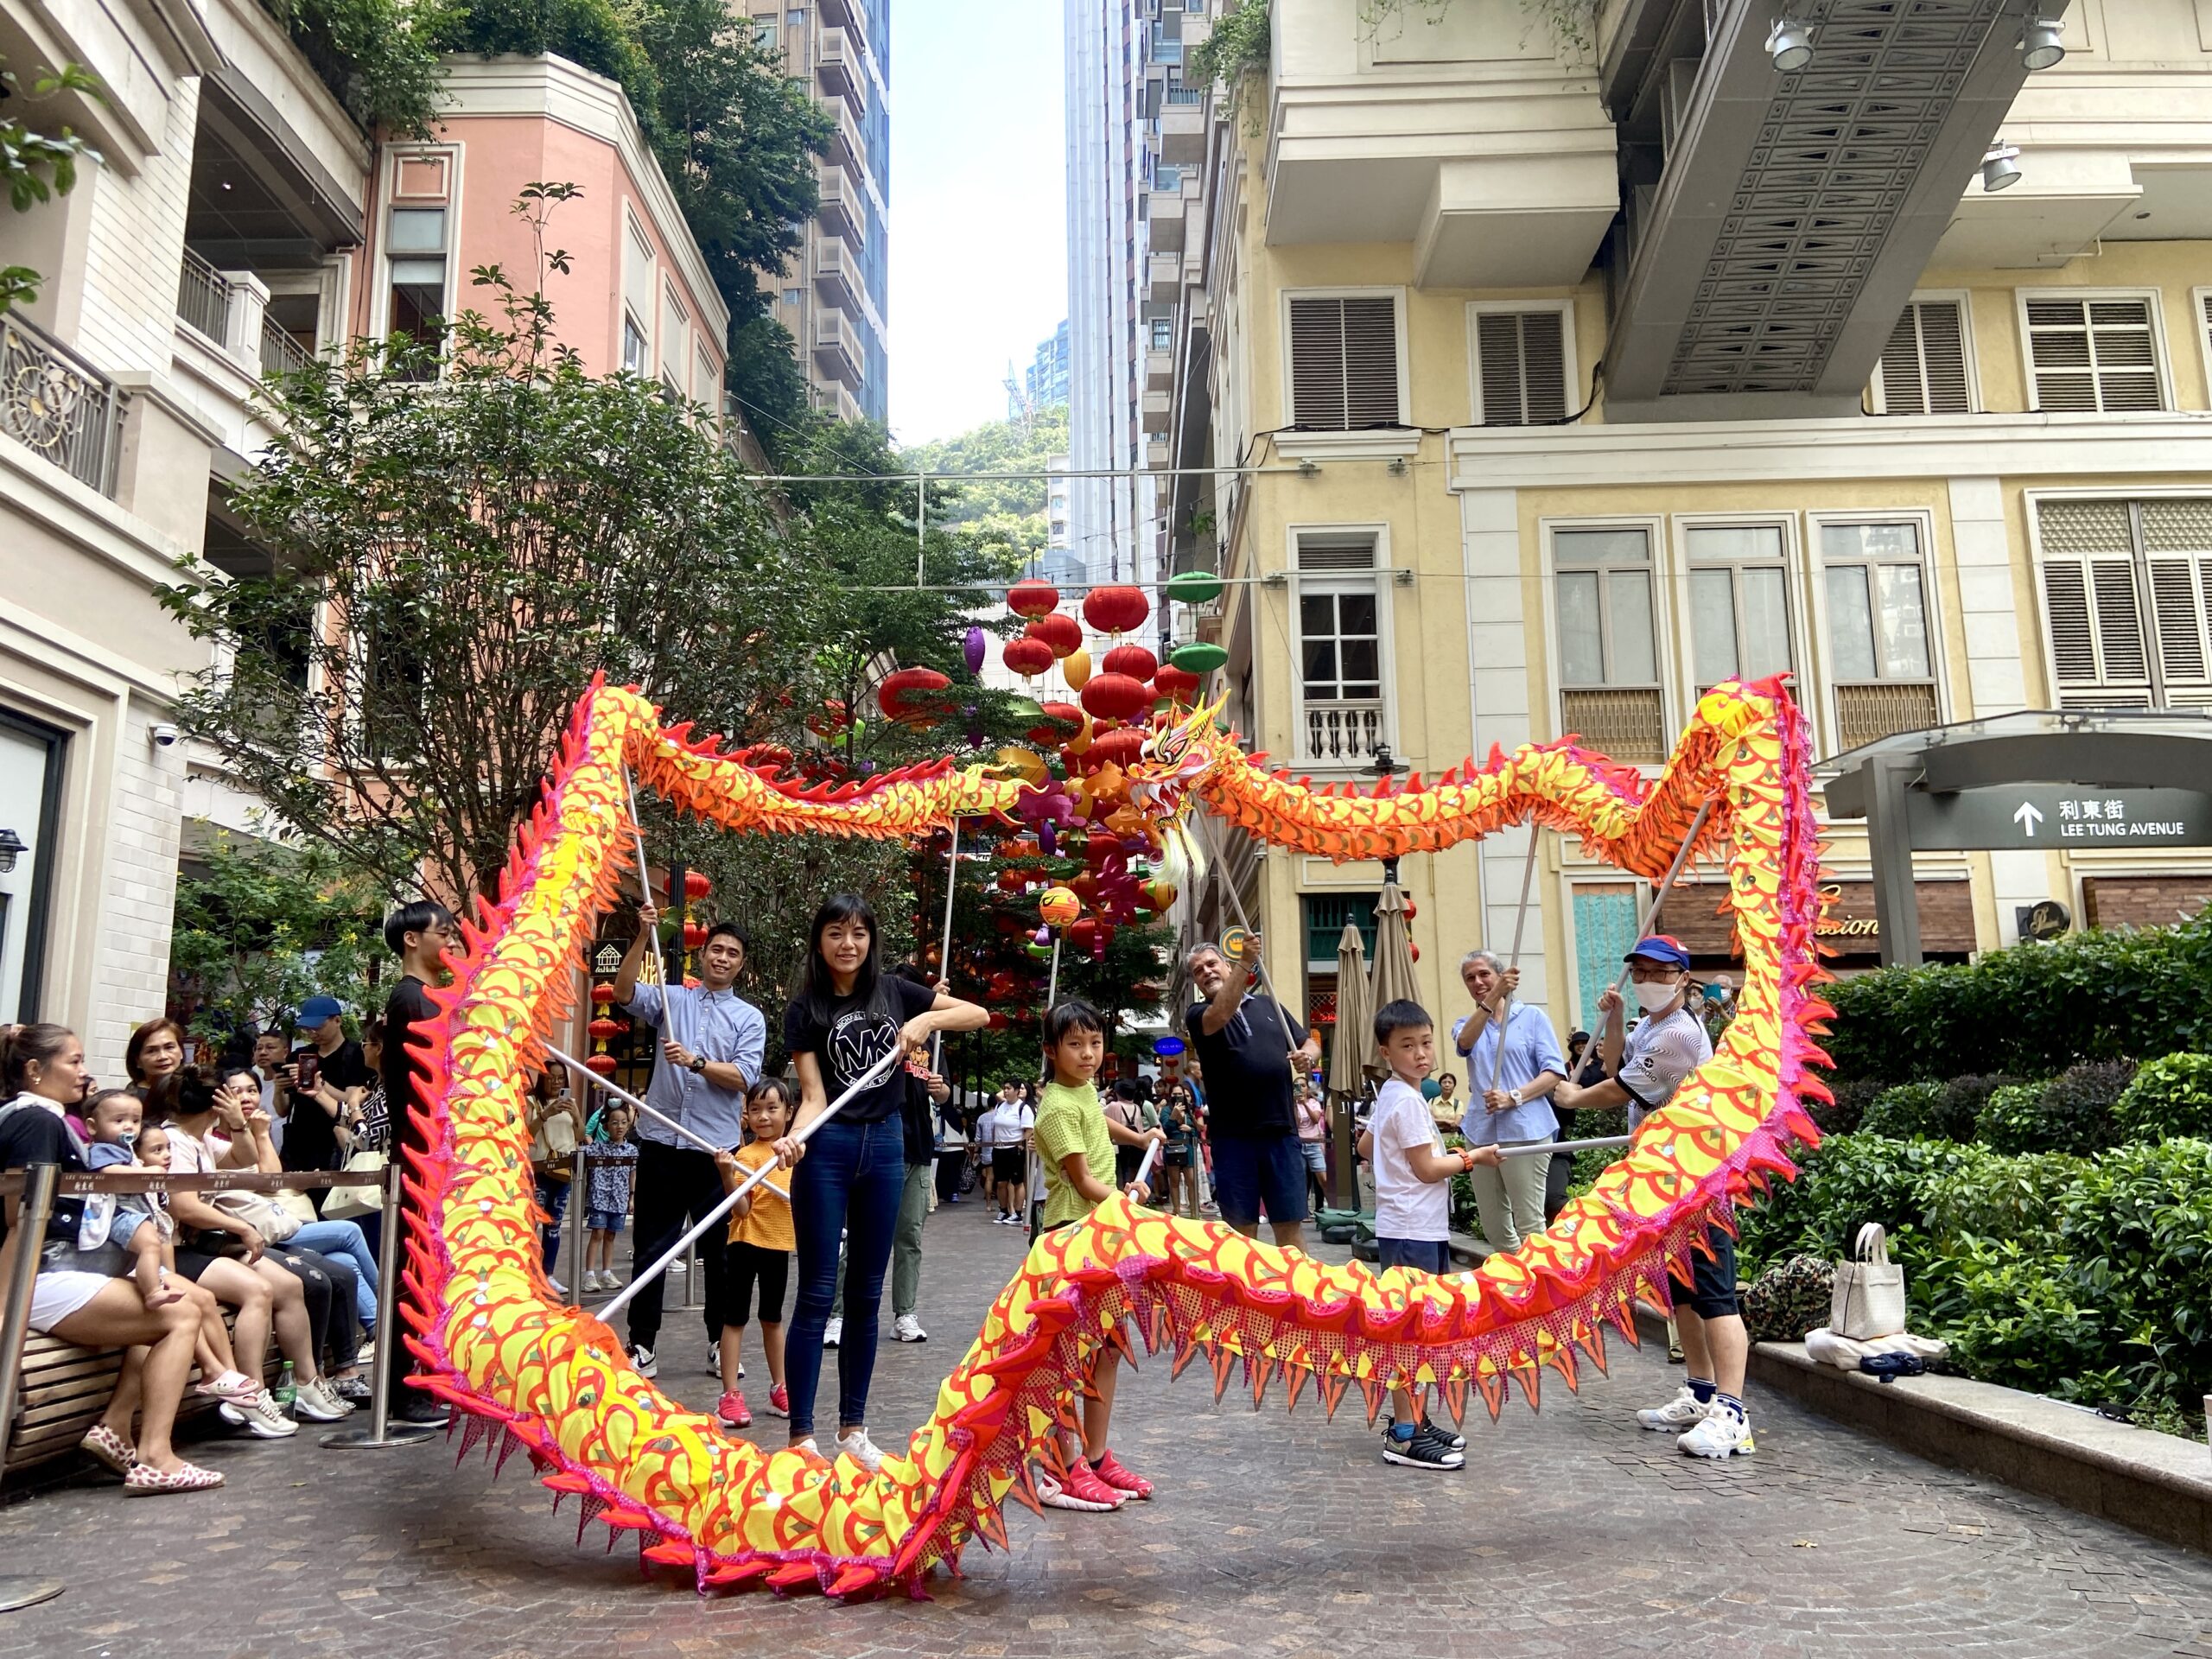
(747, 1265)
(1009, 1164)
(1710, 1291)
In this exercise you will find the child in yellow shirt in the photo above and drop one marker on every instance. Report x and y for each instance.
(760, 1246)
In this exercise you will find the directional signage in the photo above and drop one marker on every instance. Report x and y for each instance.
(2071, 817)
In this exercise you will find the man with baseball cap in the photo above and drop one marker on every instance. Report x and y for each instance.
(1642, 1070)
(324, 1083)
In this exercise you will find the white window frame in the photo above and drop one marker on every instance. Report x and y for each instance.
(1823, 662)
(1396, 295)
(2031, 502)
(674, 313)
(2199, 317)
(2162, 357)
(1678, 575)
(1570, 367)
(1381, 581)
(1963, 298)
(381, 283)
(644, 365)
(1589, 875)
(1654, 525)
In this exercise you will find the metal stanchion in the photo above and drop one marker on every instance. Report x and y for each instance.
(23, 1589)
(691, 1274)
(573, 1239)
(382, 1432)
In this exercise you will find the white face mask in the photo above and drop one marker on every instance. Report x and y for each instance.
(1652, 997)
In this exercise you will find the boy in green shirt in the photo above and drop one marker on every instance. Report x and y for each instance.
(1075, 1141)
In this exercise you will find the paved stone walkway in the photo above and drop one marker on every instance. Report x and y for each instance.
(1569, 1533)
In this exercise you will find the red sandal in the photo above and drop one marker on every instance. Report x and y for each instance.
(146, 1481)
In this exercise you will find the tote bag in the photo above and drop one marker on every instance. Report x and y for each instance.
(1868, 1300)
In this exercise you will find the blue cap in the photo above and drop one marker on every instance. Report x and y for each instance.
(319, 1011)
(1660, 947)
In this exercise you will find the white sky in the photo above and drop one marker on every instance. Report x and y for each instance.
(978, 192)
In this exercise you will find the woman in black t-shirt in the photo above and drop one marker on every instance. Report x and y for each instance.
(88, 1298)
(847, 1177)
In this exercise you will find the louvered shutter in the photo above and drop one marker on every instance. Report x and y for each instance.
(2094, 355)
(1332, 553)
(1923, 368)
(2177, 537)
(1343, 362)
(2091, 605)
(1520, 361)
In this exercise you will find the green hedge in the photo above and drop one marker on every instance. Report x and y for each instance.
(2072, 1112)
(2169, 1098)
(1940, 1111)
(2086, 1278)
(2032, 1010)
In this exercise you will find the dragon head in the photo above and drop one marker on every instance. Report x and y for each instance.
(1177, 754)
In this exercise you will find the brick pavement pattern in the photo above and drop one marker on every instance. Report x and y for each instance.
(1569, 1532)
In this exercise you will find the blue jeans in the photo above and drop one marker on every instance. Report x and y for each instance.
(344, 1241)
(850, 1180)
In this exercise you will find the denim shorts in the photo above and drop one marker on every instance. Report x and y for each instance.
(1248, 1174)
(604, 1221)
(1422, 1254)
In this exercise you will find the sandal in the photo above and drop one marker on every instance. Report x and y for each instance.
(146, 1480)
(234, 1386)
(104, 1445)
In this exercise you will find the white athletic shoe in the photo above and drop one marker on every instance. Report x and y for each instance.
(261, 1416)
(592, 1286)
(1683, 1411)
(833, 1333)
(642, 1357)
(315, 1401)
(862, 1451)
(907, 1328)
(1722, 1434)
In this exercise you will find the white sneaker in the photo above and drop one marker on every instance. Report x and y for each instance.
(642, 1357)
(833, 1333)
(317, 1403)
(559, 1289)
(715, 1361)
(861, 1449)
(260, 1416)
(675, 1267)
(591, 1282)
(1722, 1434)
(1681, 1412)
(907, 1328)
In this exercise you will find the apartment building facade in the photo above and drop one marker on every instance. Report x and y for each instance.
(1568, 387)
(836, 293)
(235, 221)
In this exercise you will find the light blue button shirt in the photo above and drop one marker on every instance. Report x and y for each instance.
(723, 1027)
(1531, 1049)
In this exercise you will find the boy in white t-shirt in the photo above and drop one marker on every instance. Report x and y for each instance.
(1413, 1203)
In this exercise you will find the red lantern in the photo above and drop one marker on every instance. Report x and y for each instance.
(1031, 597)
(1059, 631)
(998, 1021)
(1026, 657)
(1132, 661)
(604, 1030)
(1412, 910)
(602, 1064)
(694, 934)
(1120, 749)
(696, 884)
(1084, 933)
(602, 994)
(1174, 683)
(1062, 721)
(1413, 949)
(1115, 696)
(910, 697)
(1115, 610)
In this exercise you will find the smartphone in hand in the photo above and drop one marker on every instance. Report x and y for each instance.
(310, 1067)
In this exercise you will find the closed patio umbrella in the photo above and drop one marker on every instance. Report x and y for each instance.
(1393, 979)
(1348, 1052)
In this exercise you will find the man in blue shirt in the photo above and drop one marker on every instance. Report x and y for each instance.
(710, 1052)
(1508, 1102)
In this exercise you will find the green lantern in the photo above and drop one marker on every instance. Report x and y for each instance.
(1193, 587)
(1199, 659)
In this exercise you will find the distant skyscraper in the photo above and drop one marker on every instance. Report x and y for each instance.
(1046, 382)
(835, 294)
(1112, 152)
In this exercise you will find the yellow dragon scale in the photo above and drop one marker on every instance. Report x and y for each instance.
(496, 1342)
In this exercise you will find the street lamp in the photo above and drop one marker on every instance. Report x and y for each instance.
(1790, 45)
(2000, 168)
(12, 846)
(2041, 47)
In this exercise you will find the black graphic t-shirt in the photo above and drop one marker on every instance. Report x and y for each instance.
(854, 1040)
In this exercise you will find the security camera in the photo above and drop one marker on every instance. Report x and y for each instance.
(164, 735)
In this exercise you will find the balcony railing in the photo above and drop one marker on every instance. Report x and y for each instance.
(203, 298)
(53, 402)
(1621, 722)
(1180, 93)
(280, 352)
(1864, 714)
(1345, 732)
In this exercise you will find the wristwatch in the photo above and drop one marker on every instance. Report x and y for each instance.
(699, 1064)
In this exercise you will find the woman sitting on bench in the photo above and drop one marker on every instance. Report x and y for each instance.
(86, 1297)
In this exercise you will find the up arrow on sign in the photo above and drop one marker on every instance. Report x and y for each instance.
(2027, 818)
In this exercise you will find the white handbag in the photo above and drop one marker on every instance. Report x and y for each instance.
(1869, 1301)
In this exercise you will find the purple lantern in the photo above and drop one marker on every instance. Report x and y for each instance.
(971, 647)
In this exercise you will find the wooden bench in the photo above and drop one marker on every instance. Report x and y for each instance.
(65, 1390)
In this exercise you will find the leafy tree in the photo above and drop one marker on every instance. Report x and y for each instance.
(1010, 513)
(37, 166)
(456, 556)
(261, 927)
(380, 58)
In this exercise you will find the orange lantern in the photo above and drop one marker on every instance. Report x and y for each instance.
(1058, 907)
(1074, 668)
